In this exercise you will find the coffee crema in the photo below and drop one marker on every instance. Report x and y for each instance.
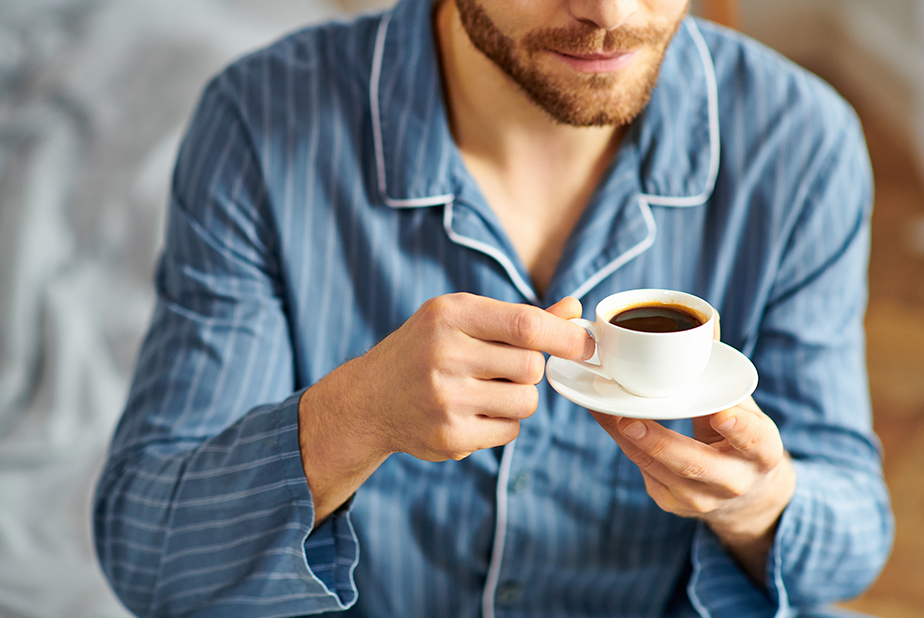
(657, 318)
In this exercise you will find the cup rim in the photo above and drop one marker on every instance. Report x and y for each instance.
(609, 306)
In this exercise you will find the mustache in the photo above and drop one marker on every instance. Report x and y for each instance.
(585, 39)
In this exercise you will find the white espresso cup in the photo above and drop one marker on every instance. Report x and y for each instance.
(646, 363)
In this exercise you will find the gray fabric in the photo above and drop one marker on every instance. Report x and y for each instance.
(93, 97)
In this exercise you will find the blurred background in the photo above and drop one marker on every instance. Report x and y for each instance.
(94, 95)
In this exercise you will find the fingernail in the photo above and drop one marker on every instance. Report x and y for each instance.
(635, 430)
(589, 347)
(727, 424)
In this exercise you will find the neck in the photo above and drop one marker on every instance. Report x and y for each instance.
(537, 175)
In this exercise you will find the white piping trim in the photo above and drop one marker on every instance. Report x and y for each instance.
(712, 94)
(419, 202)
(626, 256)
(500, 533)
(784, 610)
(374, 79)
(525, 288)
(645, 200)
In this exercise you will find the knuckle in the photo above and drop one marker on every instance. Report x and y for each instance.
(431, 306)
(693, 469)
(766, 453)
(736, 488)
(439, 398)
(667, 505)
(658, 447)
(774, 457)
(644, 461)
(767, 463)
(699, 504)
(707, 505)
(534, 367)
(753, 443)
(526, 401)
(665, 500)
(439, 309)
(442, 354)
(444, 441)
(578, 341)
(527, 326)
(508, 434)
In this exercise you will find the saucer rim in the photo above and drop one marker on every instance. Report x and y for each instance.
(742, 361)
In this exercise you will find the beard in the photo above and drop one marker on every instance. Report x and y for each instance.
(581, 100)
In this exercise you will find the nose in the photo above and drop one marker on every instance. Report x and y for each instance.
(605, 14)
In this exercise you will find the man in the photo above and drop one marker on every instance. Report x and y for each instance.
(318, 413)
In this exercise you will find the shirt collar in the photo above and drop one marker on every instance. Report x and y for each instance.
(414, 148)
(677, 136)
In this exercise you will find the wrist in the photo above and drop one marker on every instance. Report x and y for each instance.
(758, 518)
(339, 420)
(340, 446)
(748, 532)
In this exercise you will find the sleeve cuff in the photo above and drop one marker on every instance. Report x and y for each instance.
(330, 552)
(834, 536)
(719, 588)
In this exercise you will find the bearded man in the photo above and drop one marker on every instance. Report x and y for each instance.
(377, 231)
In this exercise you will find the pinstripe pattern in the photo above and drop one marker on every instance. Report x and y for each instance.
(319, 199)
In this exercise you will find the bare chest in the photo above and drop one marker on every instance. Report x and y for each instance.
(538, 231)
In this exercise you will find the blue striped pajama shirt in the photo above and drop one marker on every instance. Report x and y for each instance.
(319, 200)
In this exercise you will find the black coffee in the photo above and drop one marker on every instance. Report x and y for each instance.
(657, 318)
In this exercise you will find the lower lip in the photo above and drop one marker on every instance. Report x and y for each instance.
(599, 64)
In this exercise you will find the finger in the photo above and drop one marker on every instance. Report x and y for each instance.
(685, 498)
(567, 308)
(667, 498)
(522, 326)
(481, 433)
(646, 463)
(694, 487)
(609, 422)
(665, 453)
(704, 431)
(502, 400)
(496, 432)
(717, 327)
(499, 361)
(750, 432)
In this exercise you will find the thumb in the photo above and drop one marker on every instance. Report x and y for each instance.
(567, 308)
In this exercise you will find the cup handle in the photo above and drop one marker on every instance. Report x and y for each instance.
(591, 328)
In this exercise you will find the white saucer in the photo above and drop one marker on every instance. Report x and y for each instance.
(727, 381)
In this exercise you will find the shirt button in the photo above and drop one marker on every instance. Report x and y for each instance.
(520, 483)
(509, 593)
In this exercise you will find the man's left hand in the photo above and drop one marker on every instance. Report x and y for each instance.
(734, 474)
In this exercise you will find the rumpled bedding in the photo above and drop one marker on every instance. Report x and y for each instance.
(94, 95)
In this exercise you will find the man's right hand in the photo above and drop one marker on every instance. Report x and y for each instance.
(457, 377)
(461, 373)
